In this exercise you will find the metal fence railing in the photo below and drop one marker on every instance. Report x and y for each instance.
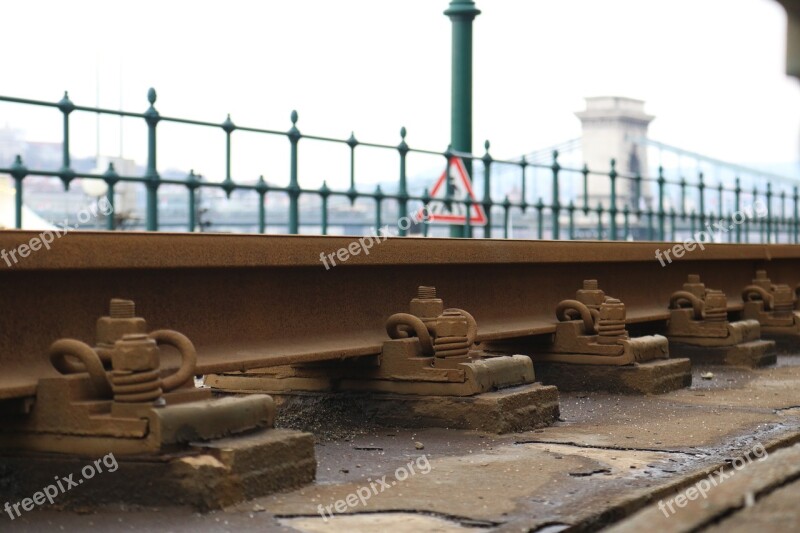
(608, 204)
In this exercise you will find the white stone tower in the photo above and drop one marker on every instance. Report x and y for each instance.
(612, 125)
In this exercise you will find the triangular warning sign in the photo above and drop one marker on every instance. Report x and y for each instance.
(439, 212)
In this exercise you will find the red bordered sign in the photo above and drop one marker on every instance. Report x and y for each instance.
(438, 212)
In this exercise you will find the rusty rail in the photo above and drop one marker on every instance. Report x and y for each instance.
(251, 301)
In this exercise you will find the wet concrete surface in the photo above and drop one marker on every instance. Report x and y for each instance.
(606, 459)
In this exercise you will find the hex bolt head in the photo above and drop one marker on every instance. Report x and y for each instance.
(135, 353)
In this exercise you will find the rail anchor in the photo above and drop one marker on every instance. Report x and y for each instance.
(699, 329)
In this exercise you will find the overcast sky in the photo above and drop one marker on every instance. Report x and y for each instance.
(711, 71)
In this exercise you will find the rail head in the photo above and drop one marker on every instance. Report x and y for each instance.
(133, 250)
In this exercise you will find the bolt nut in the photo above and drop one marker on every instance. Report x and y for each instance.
(452, 325)
(716, 300)
(590, 295)
(612, 309)
(110, 330)
(783, 294)
(136, 353)
(426, 307)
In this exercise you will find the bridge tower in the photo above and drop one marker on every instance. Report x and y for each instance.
(612, 126)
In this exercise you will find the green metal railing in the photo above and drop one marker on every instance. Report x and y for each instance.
(654, 208)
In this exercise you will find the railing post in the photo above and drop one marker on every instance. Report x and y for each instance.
(261, 189)
(352, 193)
(540, 219)
(378, 208)
(769, 212)
(110, 177)
(661, 213)
(402, 189)
(523, 166)
(65, 172)
(612, 176)
(506, 215)
(324, 193)
(759, 224)
(152, 118)
(467, 222)
(227, 185)
(294, 185)
(626, 215)
(701, 186)
(487, 191)
(18, 172)
(426, 199)
(571, 210)
(683, 198)
(738, 206)
(585, 172)
(555, 206)
(783, 214)
(673, 217)
(600, 212)
(191, 184)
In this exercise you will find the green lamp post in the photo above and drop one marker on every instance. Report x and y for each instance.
(461, 13)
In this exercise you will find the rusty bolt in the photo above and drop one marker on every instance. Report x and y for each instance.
(590, 295)
(782, 294)
(451, 324)
(611, 322)
(451, 336)
(716, 308)
(762, 280)
(122, 321)
(612, 309)
(426, 305)
(694, 285)
(135, 353)
(716, 299)
(783, 300)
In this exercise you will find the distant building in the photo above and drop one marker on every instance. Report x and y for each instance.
(612, 127)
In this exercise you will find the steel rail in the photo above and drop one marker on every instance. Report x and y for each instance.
(250, 301)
